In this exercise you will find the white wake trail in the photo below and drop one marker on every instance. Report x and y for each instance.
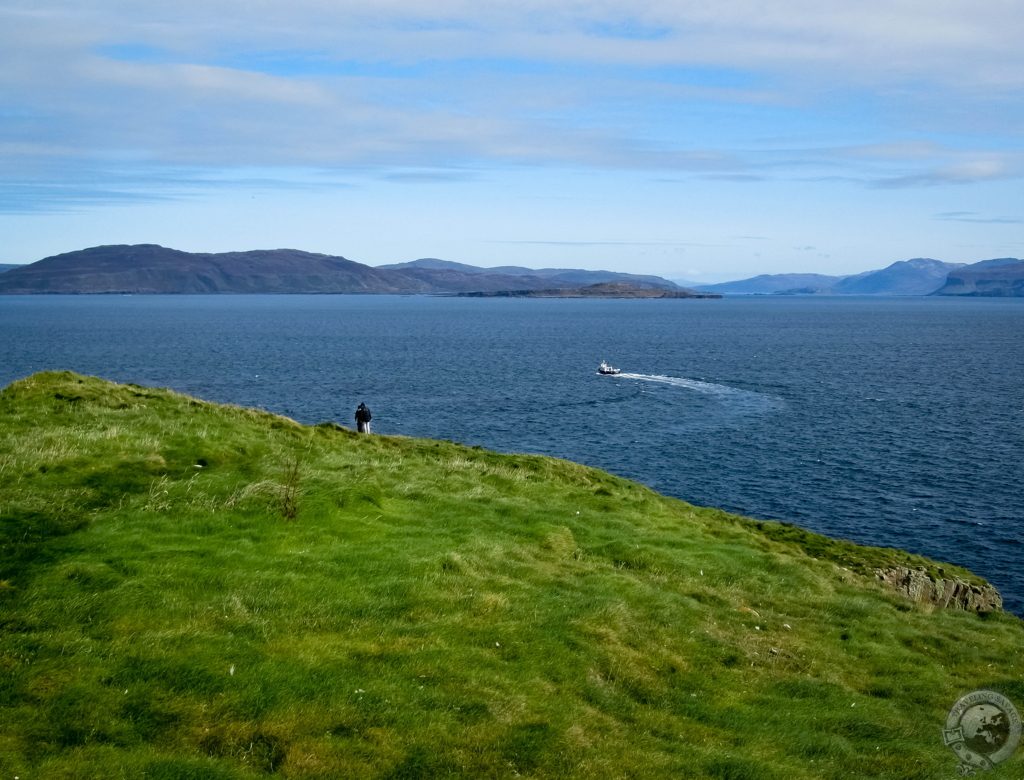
(690, 384)
(725, 392)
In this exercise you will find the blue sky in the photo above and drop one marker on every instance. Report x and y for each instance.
(688, 139)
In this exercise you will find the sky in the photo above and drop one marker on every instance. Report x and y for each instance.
(696, 140)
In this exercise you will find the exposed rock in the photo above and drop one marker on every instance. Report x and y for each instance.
(920, 587)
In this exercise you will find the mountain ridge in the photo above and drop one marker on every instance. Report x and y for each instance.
(917, 276)
(570, 276)
(154, 269)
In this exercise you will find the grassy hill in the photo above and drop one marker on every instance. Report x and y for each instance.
(192, 590)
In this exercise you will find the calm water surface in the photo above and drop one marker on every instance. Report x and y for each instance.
(893, 422)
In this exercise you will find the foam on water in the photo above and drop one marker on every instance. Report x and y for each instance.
(737, 396)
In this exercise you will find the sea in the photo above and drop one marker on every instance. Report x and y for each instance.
(889, 421)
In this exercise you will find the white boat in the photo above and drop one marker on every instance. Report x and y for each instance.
(604, 368)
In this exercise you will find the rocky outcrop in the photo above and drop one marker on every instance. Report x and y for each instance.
(918, 586)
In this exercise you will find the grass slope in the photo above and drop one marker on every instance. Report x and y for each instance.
(192, 590)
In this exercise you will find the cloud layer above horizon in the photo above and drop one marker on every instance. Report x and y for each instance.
(502, 120)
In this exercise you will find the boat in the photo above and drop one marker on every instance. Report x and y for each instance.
(606, 369)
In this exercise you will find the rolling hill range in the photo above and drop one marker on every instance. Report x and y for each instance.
(191, 590)
(149, 268)
(553, 277)
(765, 284)
(920, 276)
(7, 267)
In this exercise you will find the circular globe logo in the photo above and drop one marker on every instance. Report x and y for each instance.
(983, 729)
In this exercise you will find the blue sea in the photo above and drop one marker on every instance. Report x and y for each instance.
(896, 422)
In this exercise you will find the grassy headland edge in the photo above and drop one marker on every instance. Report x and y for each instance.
(192, 589)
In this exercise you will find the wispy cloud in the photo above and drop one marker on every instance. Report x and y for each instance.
(967, 171)
(44, 197)
(871, 40)
(429, 177)
(972, 216)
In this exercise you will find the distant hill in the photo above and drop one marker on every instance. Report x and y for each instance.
(149, 268)
(1003, 277)
(689, 284)
(434, 264)
(7, 267)
(773, 283)
(570, 277)
(920, 276)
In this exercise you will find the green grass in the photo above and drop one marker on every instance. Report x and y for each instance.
(193, 590)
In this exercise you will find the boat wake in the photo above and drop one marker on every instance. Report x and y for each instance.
(725, 392)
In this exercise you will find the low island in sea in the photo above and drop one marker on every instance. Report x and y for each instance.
(190, 589)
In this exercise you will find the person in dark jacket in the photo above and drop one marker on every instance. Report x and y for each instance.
(363, 418)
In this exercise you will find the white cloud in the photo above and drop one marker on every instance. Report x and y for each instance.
(401, 84)
(939, 39)
(967, 170)
(975, 217)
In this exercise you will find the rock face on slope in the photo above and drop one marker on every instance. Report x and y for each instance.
(919, 587)
(1001, 277)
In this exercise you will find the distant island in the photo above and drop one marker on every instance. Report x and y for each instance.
(919, 276)
(602, 290)
(153, 269)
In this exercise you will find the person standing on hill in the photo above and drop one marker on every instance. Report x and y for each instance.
(363, 418)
